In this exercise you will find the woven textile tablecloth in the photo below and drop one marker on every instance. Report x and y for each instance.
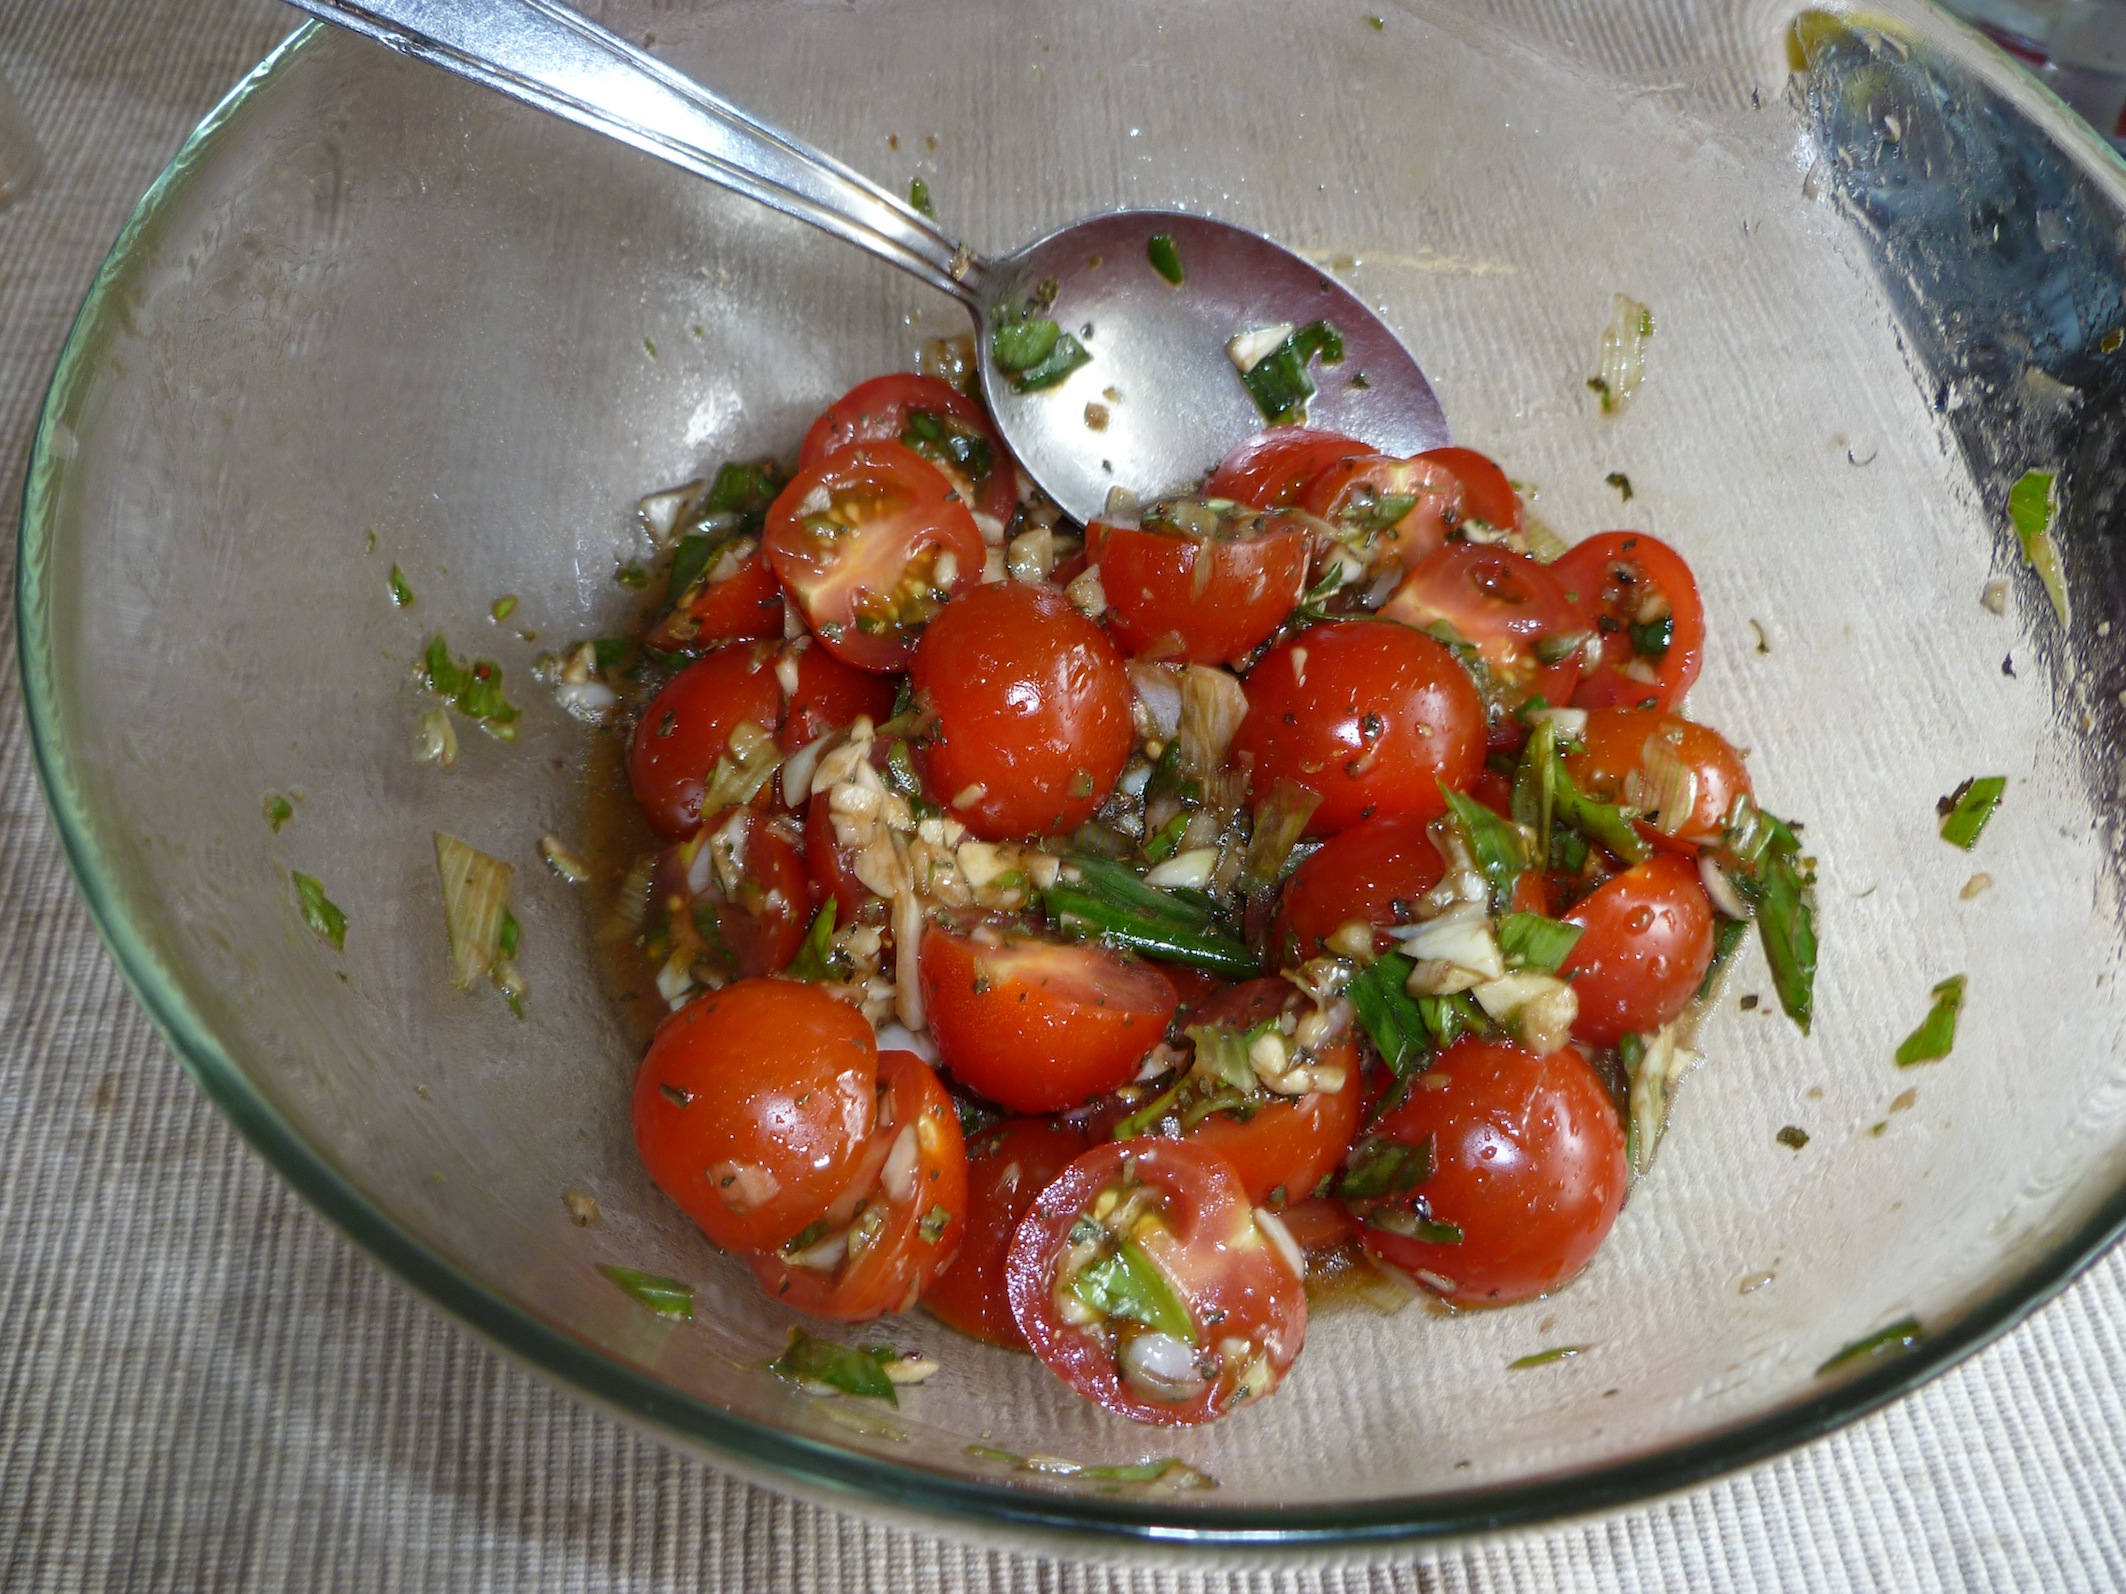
(204, 1387)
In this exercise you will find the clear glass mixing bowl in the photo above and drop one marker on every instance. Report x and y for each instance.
(373, 317)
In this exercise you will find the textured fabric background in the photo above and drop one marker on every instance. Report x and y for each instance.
(203, 1387)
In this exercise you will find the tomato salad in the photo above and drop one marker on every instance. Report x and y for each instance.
(1300, 868)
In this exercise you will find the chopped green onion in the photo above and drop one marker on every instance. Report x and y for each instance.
(1531, 941)
(1390, 1014)
(633, 574)
(919, 197)
(743, 488)
(2032, 503)
(1495, 844)
(1449, 1018)
(1280, 820)
(320, 912)
(1542, 1358)
(1083, 914)
(502, 610)
(1535, 788)
(853, 1371)
(1129, 1284)
(666, 1297)
(1901, 1335)
(474, 690)
(1728, 936)
(1279, 382)
(1023, 344)
(1786, 924)
(689, 560)
(1602, 823)
(475, 911)
(1936, 1036)
(1382, 1167)
(816, 957)
(1653, 638)
(401, 590)
(278, 810)
(1164, 841)
(1964, 811)
(1165, 258)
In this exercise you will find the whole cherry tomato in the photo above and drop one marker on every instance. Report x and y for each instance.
(1007, 1166)
(688, 726)
(739, 888)
(1646, 940)
(1273, 469)
(1653, 761)
(1640, 598)
(1527, 1173)
(1509, 608)
(1374, 873)
(940, 423)
(753, 1107)
(1200, 599)
(1182, 1307)
(1374, 716)
(1408, 504)
(1032, 712)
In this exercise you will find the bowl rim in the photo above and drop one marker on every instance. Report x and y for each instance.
(849, 1476)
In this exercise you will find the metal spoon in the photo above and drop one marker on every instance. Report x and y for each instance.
(1173, 400)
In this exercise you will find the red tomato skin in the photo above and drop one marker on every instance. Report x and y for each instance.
(1646, 940)
(1007, 1167)
(1040, 1026)
(903, 1260)
(1528, 1162)
(687, 726)
(1374, 872)
(1424, 529)
(762, 1075)
(1318, 1223)
(1615, 745)
(1193, 602)
(1486, 493)
(907, 516)
(829, 696)
(1505, 605)
(1032, 707)
(761, 936)
(877, 411)
(745, 606)
(1607, 574)
(1218, 1262)
(833, 872)
(1310, 701)
(1273, 469)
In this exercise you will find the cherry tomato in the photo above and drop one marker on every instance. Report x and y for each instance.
(939, 422)
(1408, 504)
(1374, 873)
(829, 696)
(1373, 716)
(833, 870)
(1272, 469)
(735, 892)
(871, 542)
(1505, 605)
(1641, 599)
(1318, 1223)
(737, 599)
(1649, 759)
(688, 726)
(1487, 495)
(1168, 1235)
(1200, 600)
(1032, 711)
(904, 1216)
(1039, 1026)
(1646, 940)
(1528, 1169)
(753, 1107)
(1007, 1166)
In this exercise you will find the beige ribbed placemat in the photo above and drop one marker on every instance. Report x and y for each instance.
(203, 1387)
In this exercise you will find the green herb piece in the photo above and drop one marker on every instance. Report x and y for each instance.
(1786, 924)
(743, 488)
(807, 1237)
(502, 610)
(278, 811)
(1535, 788)
(1129, 1284)
(401, 589)
(1280, 820)
(1381, 1167)
(511, 932)
(1543, 1358)
(633, 574)
(1964, 811)
(1604, 824)
(919, 198)
(1067, 355)
(2032, 504)
(1728, 936)
(1901, 1335)
(1165, 257)
(649, 346)
(1495, 845)
(482, 930)
(1390, 1014)
(1936, 1036)
(1449, 1018)
(1108, 900)
(1222, 1052)
(611, 653)
(1531, 941)
(1020, 345)
(807, 1360)
(817, 959)
(1793, 1137)
(1651, 639)
(1411, 1225)
(474, 690)
(948, 440)
(1165, 841)
(1170, 1471)
(320, 912)
(1279, 382)
(1621, 482)
(932, 1225)
(1377, 24)
(666, 1297)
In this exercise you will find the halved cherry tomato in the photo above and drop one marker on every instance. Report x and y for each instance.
(1639, 596)
(1039, 1026)
(1648, 759)
(833, 870)
(687, 727)
(1373, 716)
(753, 1107)
(1407, 504)
(1318, 1223)
(871, 542)
(829, 695)
(1487, 495)
(1162, 1229)
(898, 1226)
(1509, 608)
(1032, 715)
(1374, 873)
(1527, 1160)
(1272, 469)
(737, 599)
(1646, 940)
(1007, 1166)
(941, 423)
(736, 892)
(1200, 600)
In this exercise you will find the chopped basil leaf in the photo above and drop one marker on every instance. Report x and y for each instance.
(1936, 1036)
(633, 574)
(511, 932)
(1279, 382)
(1382, 1167)
(1964, 811)
(1531, 941)
(502, 610)
(278, 811)
(820, 1361)
(2032, 503)
(1793, 1137)
(810, 1235)
(1020, 345)
(742, 488)
(919, 197)
(1901, 1335)
(949, 440)
(1652, 639)
(320, 912)
(401, 591)
(1165, 258)
(1786, 924)
(1542, 1358)
(666, 1297)
(1067, 355)
(1495, 845)
(817, 958)
(1129, 1284)
(689, 560)
(1390, 1014)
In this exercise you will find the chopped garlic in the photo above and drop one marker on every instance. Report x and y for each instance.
(1538, 1009)
(562, 861)
(1247, 350)
(1190, 870)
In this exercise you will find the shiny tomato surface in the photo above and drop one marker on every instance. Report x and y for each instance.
(740, 888)
(687, 727)
(1641, 757)
(1646, 940)
(1640, 598)
(1199, 600)
(1273, 469)
(1408, 504)
(1505, 605)
(939, 422)
(1374, 873)
(1007, 1167)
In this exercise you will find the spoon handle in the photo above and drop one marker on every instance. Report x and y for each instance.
(547, 55)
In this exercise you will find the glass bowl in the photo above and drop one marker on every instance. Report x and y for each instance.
(372, 317)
